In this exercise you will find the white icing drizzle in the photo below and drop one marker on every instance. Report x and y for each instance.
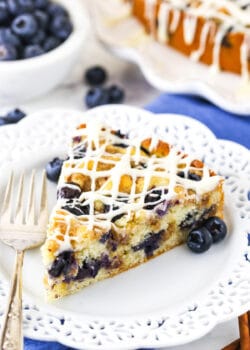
(150, 7)
(126, 161)
(175, 20)
(215, 68)
(233, 14)
(189, 28)
(244, 56)
(163, 20)
(195, 55)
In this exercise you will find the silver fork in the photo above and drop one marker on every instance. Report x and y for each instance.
(26, 230)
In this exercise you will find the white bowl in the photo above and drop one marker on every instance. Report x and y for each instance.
(25, 79)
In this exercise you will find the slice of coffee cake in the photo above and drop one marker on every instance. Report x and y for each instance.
(120, 203)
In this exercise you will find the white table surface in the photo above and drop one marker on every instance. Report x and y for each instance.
(138, 93)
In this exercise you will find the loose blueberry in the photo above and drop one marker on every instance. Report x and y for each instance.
(199, 240)
(95, 75)
(96, 97)
(69, 191)
(15, 116)
(41, 4)
(216, 227)
(116, 94)
(3, 121)
(25, 25)
(4, 12)
(42, 19)
(8, 52)
(53, 169)
(51, 43)
(8, 37)
(56, 10)
(33, 51)
(61, 27)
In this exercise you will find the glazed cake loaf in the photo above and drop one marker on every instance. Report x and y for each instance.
(215, 32)
(120, 203)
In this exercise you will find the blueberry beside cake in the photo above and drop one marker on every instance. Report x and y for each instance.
(121, 202)
(214, 32)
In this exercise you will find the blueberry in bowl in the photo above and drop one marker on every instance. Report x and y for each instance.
(8, 52)
(40, 40)
(27, 22)
(25, 26)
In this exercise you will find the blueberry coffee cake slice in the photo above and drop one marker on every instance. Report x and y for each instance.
(121, 202)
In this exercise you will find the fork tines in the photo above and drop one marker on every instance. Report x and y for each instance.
(16, 213)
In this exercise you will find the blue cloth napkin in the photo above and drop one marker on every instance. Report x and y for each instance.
(224, 125)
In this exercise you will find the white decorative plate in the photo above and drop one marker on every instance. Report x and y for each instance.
(173, 299)
(163, 67)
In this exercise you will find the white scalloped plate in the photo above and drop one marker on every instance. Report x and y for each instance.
(171, 300)
(163, 67)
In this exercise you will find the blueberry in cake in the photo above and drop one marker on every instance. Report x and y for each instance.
(214, 32)
(121, 202)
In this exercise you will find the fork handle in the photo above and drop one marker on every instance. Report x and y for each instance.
(12, 334)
